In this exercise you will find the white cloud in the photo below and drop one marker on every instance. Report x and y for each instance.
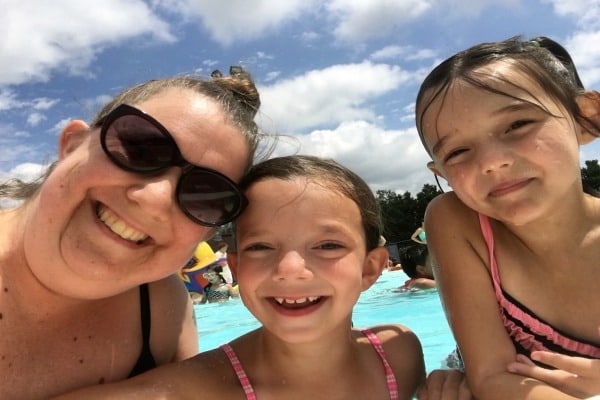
(586, 13)
(43, 103)
(389, 52)
(402, 52)
(310, 37)
(35, 118)
(361, 20)
(24, 172)
(322, 98)
(39, 37)
(387, 159)
(586, 56)
(8, 99)
(238, 20)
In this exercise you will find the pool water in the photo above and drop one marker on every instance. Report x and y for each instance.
(421, 311)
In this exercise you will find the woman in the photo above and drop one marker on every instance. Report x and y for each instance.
(126, 203)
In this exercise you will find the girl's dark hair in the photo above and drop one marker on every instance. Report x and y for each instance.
(330, 174)
(411, 256)
(236, 94)
(542, 59)
(218, 269)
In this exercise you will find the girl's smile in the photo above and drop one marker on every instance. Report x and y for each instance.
(300, 254)
(497, 151)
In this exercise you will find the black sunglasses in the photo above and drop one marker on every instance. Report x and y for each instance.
(136, 142)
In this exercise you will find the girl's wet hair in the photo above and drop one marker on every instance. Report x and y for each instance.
(332, 176)
(545, 61)
(236, 94)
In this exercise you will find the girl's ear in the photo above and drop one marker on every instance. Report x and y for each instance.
(71, 137)
(434, 169)
(589, 105)
(375, 262)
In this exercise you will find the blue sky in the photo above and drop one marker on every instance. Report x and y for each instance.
(338, 77)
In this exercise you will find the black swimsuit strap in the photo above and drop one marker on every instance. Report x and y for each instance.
(146, 360)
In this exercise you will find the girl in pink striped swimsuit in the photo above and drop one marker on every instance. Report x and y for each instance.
(517, 243)
(306, 247)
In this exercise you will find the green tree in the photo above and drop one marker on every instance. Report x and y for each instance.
(402, 213)
(590, 174)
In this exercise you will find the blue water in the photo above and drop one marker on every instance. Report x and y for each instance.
(421, 311)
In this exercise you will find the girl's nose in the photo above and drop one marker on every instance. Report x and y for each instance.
(155, 194)
(494, 157)
(292, 265)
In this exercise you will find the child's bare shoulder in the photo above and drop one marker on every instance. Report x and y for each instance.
(445, 213)
(404, 353)
(447, 206)
(395, 333)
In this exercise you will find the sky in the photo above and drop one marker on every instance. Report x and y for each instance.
(337, 78)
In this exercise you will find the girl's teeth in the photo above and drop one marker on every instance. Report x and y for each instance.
(301, 300)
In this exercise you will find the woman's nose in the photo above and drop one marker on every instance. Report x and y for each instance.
(155, 194)
(292, 265)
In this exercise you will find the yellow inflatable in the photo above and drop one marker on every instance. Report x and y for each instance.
(191, 273)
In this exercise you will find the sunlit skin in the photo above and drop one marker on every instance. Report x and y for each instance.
(97, 261)
(516, 161)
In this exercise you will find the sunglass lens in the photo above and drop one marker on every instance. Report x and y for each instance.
(136, 144)
(209, 198)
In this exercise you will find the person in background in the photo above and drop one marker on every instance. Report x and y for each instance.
(416, 263)
(393, 265)
(516, 244)
(419, 236)
(217, 290)
(88, 261)
(221, 254)
(307, 246)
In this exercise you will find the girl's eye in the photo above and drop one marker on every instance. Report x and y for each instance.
(256, 247)
(453, 153)
(329, 246)
(518, 124)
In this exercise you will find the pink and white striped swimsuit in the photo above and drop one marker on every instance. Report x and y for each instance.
(249, 391)
(528, 331)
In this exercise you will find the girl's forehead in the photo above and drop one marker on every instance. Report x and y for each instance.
(496, 85)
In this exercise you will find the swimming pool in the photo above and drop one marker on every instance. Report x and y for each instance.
(422, 312)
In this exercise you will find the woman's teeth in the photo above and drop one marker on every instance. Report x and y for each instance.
(299, 301)
(118, 226)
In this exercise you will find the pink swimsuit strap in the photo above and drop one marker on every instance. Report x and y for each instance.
(373, 339)
(239, 371)
(389, 374)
